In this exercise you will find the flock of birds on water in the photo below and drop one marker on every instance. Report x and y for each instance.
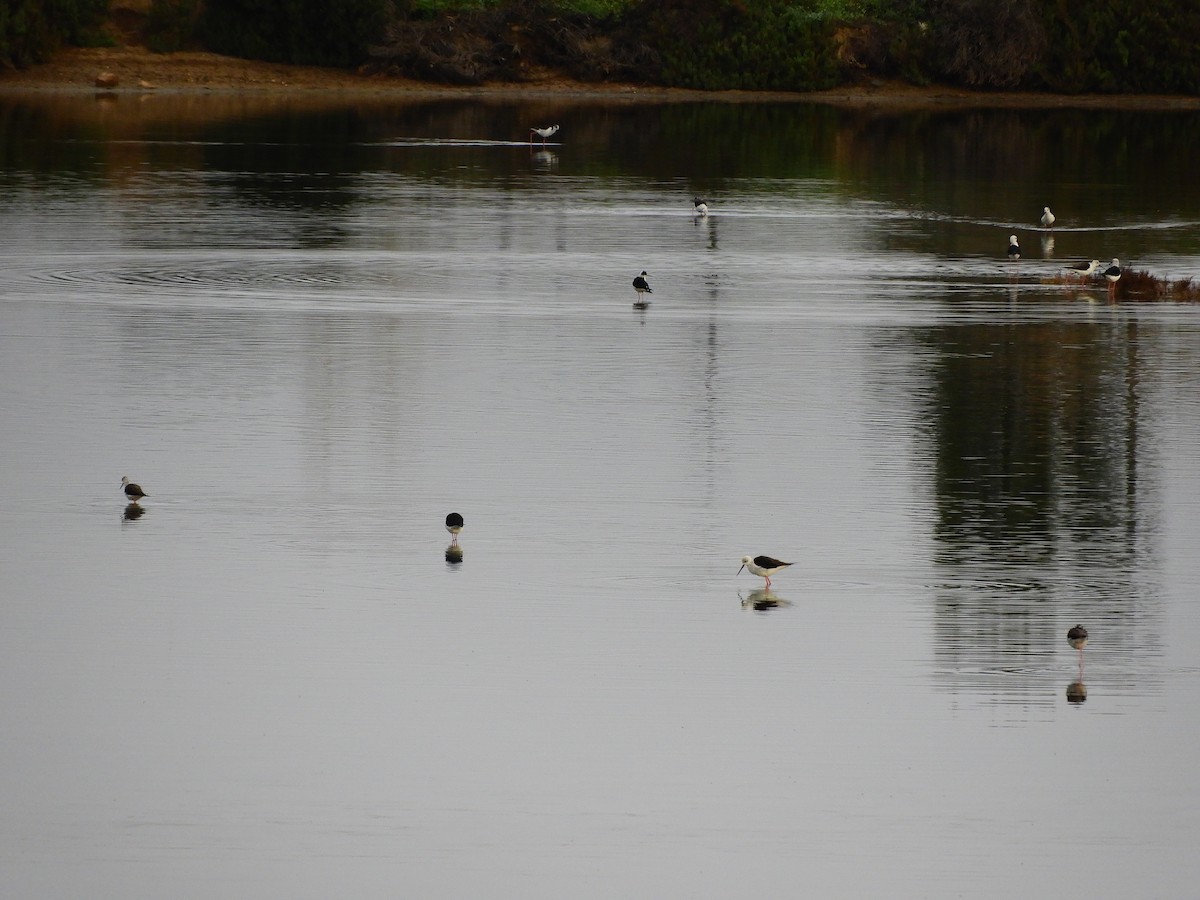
(762, 566)
(1082, 270)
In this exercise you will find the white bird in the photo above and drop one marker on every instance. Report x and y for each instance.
(763, 566)
(543, 132)
(1113, 274)
(642, 286)
(1047, 217)
(1083, 269)
(133, 492)
(1014, 249)
(699, 207)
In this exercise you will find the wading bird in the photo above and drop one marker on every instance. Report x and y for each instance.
(642, 286)
(454, 524)
(543, 132)
(133, 492)
(763, 566)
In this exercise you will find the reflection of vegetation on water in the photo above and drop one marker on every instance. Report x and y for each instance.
(1037, 431)
(1042, 512)
(27, 132)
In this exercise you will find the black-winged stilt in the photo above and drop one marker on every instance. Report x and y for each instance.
(1077, 637)
(454, 524)
(764, 566)
(699, 206)
(1084, 269)
(1113, 274)
(133, 492)
(1014, 249)
(543, 132)
(1047, 217)
(642, 286)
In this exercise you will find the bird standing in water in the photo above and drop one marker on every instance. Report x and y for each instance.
(133, 492)
(543, 133)
(1084, 269)
(1014, 249)
(1113, 274)
(1047, 218)
(763, 566)
(454, 524)
(1077, 637)
(642, 286)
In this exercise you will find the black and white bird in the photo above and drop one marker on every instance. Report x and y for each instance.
(543, 132)
(1047, 217)
(699, 206)
(642, 286)
(454, 524)
(1077, 637)
(1113, 274)
(1014, 249)
(763, 566)
(133, 492)
(1084, 269)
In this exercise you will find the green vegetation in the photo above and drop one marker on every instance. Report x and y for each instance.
(1119, 46)
(171, 24)
(309, 32)
(601, 9)
(720, 44)
(32, 29)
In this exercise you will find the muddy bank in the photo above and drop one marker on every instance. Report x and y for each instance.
(139, 71)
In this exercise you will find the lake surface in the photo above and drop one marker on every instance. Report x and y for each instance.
(311, 331)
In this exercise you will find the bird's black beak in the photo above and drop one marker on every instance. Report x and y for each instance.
(739, 571)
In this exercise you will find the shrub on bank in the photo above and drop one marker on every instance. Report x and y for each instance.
(730, 44)
(1123, 46)
(332, 33)
(1126, 46)
(30, 30)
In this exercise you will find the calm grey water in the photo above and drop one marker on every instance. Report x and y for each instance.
(311, 332)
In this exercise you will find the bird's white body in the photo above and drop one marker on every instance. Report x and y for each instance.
(1083, 269)
(699, 207)
(1113, 272)
(1047, 217)
(763, 566)
(543, 133)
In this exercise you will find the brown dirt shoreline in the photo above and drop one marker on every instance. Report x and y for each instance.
(140, 71)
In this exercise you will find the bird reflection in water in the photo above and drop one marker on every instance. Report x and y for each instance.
(1077, 637)
(454, 554)
(545, 160)
(762, 599)
(1048, 246)
(132, 512)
